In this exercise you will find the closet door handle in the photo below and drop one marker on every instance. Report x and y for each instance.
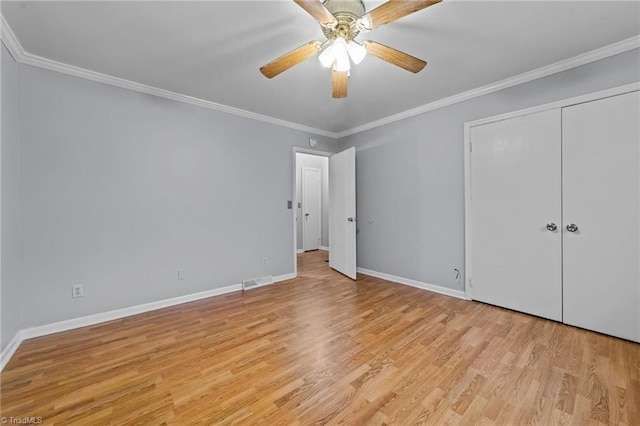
(552, 226)
(572, 227)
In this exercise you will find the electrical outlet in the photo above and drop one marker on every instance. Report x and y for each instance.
(265, 261)
(77, 290)
(182, 274)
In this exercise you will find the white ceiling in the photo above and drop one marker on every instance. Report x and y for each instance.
(212, 50)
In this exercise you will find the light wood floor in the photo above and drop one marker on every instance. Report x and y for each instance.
(321, 349)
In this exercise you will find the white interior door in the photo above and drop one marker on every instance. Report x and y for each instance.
(601, 187)
(342, 212)
(311, 208)
(515, 193)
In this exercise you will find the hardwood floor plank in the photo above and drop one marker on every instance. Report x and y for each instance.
(323, 349)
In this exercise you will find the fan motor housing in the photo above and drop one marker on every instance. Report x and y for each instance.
(347, 13)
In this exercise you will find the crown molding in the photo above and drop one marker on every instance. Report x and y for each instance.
(20, 55)
(9, 39)
(566, 64)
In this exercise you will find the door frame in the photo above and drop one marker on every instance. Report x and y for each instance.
(304, 197)
(468, 273)
(300, 150)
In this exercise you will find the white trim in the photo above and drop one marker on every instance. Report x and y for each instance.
(467, 212)
(418, 284)
(94, 319)
(88, 320)
(9, 38)
(284, 277)
(11, 348)
(299, 150)
(24, 57)
(566, 64)
(325, 248)
(589, 97)
(20, 55)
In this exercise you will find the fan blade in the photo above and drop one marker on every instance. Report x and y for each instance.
(393, 10)
(339, 84)
(290, 59)
(316, 9)
(395, 57)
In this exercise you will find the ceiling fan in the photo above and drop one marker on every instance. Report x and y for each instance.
(341, 21)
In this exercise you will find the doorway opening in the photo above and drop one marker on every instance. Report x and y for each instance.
(312, 210)
(311, 201)
(338, 237)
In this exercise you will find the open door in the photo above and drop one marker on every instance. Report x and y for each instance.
(342, 212)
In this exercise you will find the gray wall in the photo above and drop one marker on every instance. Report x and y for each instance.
(410, 174)
(322, 163)
(120, 189)
(10, 278)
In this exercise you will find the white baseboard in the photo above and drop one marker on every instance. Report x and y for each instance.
(57, 327)
(94, 319)
(11, 348)
(325, 248)
(284, 277)
(88, 320)
(406, 281)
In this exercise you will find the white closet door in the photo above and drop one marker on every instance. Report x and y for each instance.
(601, 196)
(515, 192)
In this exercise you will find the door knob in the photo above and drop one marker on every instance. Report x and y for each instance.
(572, 227)
(306, 214)
(552, 226)
(350, 219)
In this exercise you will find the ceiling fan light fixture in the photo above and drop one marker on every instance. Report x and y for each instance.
(341, 21)
(357, 52)
(326, 58)
(341, 54)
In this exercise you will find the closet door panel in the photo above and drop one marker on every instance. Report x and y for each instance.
(601, 196)
(515, 193)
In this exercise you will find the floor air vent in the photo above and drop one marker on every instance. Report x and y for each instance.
(249, 284)
(258, 282)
